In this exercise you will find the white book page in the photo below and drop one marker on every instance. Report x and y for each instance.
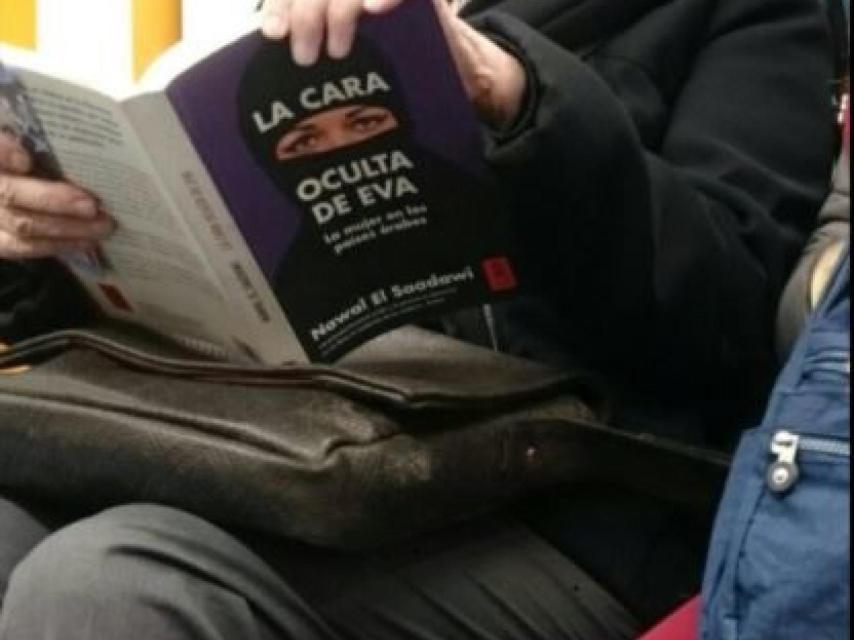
(150, 271)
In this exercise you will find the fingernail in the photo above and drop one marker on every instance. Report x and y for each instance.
(303, 55)
(20, 161)
(336, 49)
(85, 207)
(339, 46)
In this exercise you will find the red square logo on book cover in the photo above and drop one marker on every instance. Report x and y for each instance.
(115, 296)
(499, 274)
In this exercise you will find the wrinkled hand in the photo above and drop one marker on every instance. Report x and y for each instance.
(494, 80)
(39, 218)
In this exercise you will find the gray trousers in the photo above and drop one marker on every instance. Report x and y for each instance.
(148, 572)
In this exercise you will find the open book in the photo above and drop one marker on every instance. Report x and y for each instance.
(276, 212)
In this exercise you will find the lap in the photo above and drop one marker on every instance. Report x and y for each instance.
(486, 580)
(20, 531)
(491, 579)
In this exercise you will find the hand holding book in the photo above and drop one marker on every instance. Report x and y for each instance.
(41, 218)
(493, 79)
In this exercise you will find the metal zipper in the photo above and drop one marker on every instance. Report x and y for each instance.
(783, 473)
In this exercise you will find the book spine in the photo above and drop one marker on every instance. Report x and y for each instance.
(260, 324)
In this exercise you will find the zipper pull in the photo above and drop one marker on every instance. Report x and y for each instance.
(783, 472)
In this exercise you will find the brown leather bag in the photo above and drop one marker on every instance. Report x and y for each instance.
(410, 432)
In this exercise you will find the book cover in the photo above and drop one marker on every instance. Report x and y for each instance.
(358, 184)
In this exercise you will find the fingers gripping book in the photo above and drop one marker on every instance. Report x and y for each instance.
(274, 212)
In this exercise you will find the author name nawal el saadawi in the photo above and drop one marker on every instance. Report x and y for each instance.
(398, 292)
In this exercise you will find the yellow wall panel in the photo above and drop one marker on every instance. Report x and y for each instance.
(18, 22)
(156, 25)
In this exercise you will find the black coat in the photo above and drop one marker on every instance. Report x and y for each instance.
(664, 176)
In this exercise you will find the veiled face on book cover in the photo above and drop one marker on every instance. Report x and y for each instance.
(336, 137)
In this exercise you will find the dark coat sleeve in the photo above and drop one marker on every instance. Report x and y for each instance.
(36, 297)
(667, 265)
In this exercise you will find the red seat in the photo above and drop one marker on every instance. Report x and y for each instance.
(682, 624)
